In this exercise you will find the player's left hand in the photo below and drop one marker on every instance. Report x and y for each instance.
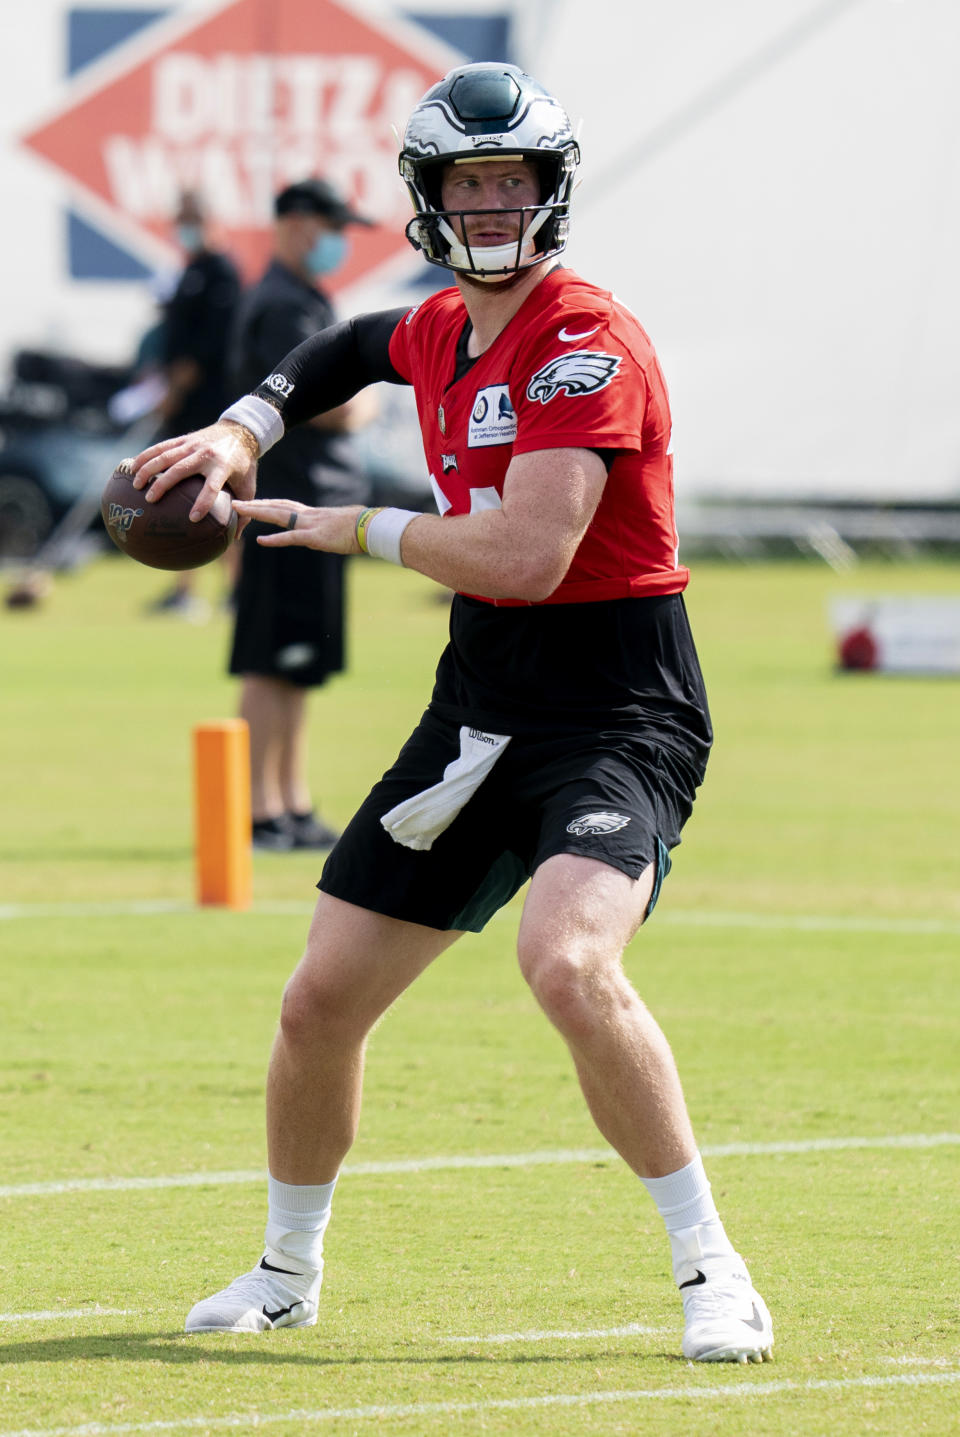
(332, 530)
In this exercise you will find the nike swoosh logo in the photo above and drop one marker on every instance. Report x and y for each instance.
(270, 1268)
(696, 1281)
(756, 1322)
(282, 1312)
(568, 338)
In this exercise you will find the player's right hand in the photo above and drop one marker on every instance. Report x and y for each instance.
(224, 453)
(333, 530)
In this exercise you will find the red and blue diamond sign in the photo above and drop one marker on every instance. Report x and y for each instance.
(236, 101)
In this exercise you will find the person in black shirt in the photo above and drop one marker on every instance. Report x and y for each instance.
(289, 628)
(194, 339)
(198, 321)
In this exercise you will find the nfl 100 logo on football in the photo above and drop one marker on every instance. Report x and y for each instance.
(121, 518)
(493, 419)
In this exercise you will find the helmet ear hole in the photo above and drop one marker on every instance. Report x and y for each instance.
(431, 177)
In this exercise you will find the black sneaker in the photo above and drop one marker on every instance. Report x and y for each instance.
(274, 834)
(309, 831)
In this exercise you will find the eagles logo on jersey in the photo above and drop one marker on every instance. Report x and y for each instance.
(598, 823)
(582, 372)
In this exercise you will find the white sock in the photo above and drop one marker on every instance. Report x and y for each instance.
(685, 1203)
(297, 1217)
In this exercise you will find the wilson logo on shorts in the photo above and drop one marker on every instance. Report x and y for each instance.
(597, 823)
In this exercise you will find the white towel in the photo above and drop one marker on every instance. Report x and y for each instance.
(419, 820)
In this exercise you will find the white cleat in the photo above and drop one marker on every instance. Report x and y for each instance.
(279, 1292)
(726, 1318)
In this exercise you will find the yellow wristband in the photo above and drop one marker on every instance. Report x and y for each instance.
(363, 523)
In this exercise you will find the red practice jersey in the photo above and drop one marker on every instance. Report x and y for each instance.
(572, 370)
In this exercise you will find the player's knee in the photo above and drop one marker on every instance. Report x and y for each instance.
(315, 1007)
(567, 980)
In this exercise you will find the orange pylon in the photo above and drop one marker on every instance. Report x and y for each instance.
(221, 806)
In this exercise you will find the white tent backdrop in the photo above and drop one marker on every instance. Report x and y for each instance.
(775, 190)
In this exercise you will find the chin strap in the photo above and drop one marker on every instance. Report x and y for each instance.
(498, 258)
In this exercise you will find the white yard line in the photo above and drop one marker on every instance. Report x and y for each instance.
(62, 1313)
(829, 1145)
(127, 909)
(106, 1185)
(908, 1359)
(476, 1160)
(749, 1389)
(499, 1339)
(689, 918)
(632, 1329)
(808, 922)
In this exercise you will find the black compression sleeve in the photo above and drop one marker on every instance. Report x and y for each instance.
(332, 365)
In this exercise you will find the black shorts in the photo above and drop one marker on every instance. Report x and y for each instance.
(290, 613)
(609, 796)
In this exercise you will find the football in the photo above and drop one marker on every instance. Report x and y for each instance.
(161, 534)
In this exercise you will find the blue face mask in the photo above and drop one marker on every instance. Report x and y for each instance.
(328, 253)
(190, 237)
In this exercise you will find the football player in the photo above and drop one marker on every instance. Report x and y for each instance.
(568, 728)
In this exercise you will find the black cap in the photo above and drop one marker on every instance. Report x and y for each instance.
(317, 197)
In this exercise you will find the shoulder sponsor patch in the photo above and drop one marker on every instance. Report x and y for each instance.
(581, 372)
(493, 419)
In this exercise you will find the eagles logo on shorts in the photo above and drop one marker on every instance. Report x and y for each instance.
(597, 823)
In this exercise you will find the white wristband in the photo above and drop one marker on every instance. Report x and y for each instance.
(255, 414)
(385, 531)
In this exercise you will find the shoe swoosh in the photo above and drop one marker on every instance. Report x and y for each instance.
(288, 1272)
(282, 1312)
(756, 1321)
(696, 1281)
(569, 338)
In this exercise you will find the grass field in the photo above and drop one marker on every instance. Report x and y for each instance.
(491, 1267)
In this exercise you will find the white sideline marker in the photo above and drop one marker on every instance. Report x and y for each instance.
(753, 1389)
(71, 1314)
(476, 1160)
(809, 922)
(681, 918)
(632, 1329)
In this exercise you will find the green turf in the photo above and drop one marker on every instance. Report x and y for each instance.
(803, 962)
